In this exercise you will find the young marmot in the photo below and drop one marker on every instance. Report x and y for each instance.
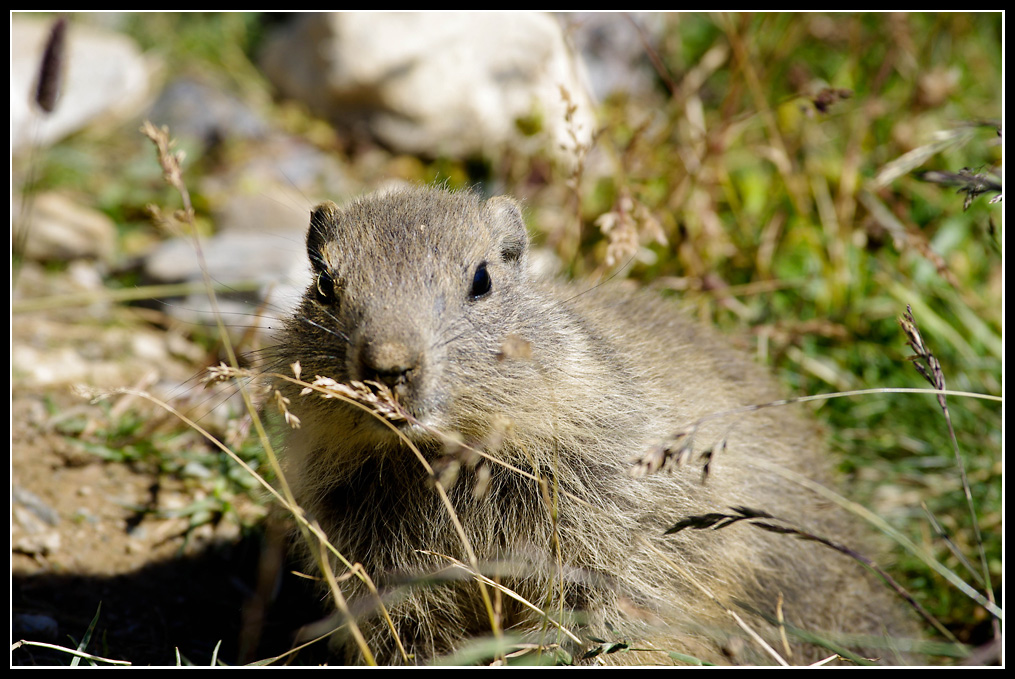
(428, 293)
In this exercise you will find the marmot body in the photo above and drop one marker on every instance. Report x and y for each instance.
(426, 291)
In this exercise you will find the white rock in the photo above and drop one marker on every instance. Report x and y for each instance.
(104, 74)
(440, 83)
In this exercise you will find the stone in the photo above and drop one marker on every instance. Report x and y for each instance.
(104, 74)
(453, 84)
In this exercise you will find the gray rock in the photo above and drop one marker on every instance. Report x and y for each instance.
(35, 626)
(612, 46)
(57, 228)
(262, 209)
(33, 503)
(257, 266)
(195, 110)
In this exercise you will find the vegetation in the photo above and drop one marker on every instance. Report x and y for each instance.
(800, 180)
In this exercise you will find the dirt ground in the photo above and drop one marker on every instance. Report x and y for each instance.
(90, 531)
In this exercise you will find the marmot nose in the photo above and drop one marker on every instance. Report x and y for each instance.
(394, 363)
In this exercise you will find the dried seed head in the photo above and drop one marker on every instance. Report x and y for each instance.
(674, 451)
(373, 394)
(923, 360)
(626, 227)
(283, 405)
(171, 162)
(223, 373)
(51, 67)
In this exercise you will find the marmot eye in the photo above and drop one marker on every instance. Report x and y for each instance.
(480, 282)
(324, 288)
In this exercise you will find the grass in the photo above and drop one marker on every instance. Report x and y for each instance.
(777, 180)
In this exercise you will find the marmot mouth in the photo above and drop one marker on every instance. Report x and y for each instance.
(389, 428)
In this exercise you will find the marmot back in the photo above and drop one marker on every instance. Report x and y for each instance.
(428, 293)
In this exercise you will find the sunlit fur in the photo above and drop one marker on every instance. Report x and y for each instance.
(606, 374)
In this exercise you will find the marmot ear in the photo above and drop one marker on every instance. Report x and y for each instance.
(507, 222)
(322, 229)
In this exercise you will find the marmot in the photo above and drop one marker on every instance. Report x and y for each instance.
(428, 293)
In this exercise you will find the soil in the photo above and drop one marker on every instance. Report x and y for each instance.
(93, 536)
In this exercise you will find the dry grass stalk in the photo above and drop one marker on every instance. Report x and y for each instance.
(930, 368)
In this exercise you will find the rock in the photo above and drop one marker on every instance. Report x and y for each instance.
(261, 212)
(612, 46)
(32, 523)
(23, 497)
(104, 74)
(197, 111)
(255, 264)
(286, 170)
(57, 228)
(433, 84)
(35, 626)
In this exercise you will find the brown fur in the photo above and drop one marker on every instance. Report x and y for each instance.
(597, 376)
